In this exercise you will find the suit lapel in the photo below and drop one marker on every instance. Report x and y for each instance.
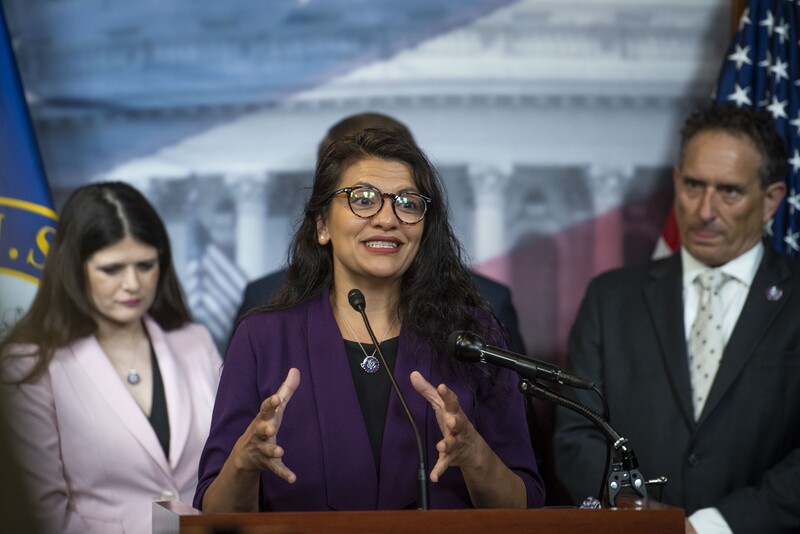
(664, 296)
(176, 390)
(757, 315)
(95, 364)
(350, 476)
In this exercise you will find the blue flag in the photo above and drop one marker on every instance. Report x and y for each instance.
(761, 71)
(27, 219)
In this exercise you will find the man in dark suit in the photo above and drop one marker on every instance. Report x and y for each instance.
(724, 431)
(259, 291)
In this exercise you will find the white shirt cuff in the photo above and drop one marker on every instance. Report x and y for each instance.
(709, 521)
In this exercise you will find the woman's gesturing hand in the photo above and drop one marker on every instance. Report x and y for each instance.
(257, 448)
(461, 445)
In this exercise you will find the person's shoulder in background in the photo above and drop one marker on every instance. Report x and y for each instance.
(260, 290)
(499, 297)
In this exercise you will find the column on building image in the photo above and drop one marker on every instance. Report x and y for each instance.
(252, 235)
(608, 186)
(489, 183)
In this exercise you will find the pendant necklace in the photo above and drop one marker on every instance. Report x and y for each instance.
(370, 364)
(133, 377)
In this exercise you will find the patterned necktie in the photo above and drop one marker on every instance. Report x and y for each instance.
(706, 339)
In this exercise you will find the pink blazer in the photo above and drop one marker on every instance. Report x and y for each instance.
(90, 457)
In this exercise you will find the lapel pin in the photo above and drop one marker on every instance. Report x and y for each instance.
(774, 293)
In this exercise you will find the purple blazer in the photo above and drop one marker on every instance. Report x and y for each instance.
(323, 431)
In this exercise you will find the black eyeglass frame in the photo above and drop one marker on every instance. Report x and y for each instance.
(393, 196)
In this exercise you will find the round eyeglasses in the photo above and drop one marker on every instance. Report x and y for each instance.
(366, 202)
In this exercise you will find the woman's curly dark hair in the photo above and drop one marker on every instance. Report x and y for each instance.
(437, 295)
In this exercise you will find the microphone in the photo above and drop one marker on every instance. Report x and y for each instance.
(359, 303)
(469, 347)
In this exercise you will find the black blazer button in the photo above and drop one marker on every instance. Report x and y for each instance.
(693, 460)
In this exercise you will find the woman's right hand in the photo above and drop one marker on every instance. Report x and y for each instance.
(257, 448)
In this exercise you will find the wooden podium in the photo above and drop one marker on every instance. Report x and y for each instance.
(654, 518)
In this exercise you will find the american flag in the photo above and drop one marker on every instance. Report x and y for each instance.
(760, 70)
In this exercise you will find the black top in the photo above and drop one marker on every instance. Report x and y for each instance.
(159, 419)
(373, 390)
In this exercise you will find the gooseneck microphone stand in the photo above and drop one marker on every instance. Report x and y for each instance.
(625, 469)
(357, 301)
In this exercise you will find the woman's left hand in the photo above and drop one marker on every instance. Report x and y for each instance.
(491, 484)
(461, 445)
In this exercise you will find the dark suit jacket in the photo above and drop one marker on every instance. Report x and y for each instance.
(323, 431)
(743, 455)
(259, 291)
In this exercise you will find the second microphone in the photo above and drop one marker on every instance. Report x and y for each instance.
(469, 347)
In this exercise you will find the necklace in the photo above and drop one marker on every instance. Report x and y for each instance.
(370, 363)
(132, 376)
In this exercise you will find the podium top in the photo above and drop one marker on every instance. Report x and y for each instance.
(178, 518)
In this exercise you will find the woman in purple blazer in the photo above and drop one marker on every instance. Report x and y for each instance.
(107, 384)
(305, 416)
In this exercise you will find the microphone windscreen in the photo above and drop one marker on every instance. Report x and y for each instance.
(465, 346)
(357, 300)
(452, 341)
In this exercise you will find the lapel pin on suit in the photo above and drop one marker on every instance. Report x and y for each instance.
(774, 293)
